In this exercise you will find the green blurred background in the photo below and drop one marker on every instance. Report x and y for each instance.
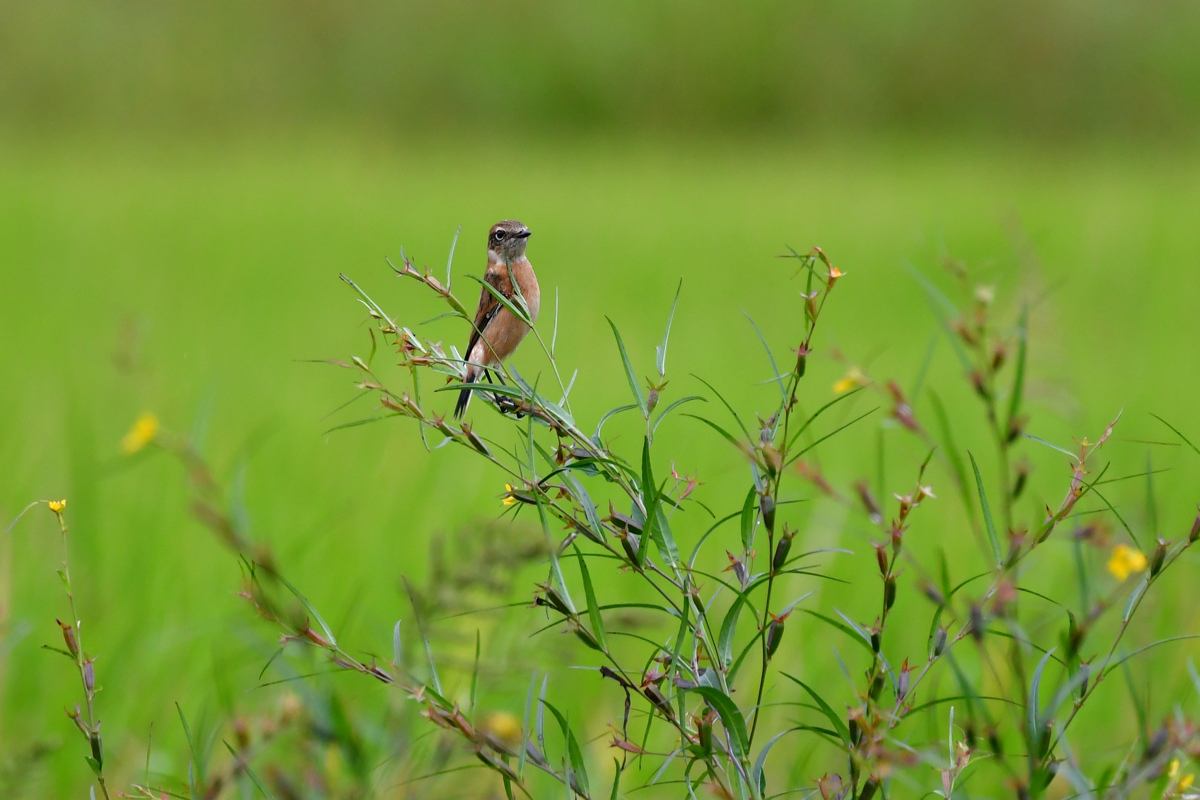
(180, 185)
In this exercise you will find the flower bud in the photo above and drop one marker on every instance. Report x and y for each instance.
(766, 505)
(801, 360)
(774, 634)
(869, 502)
(89, 676)
(630, 544)
(782, 549)
(939, 641)
(68, 632)
(1160, 554)
(704, 731)
(889, 592)
(1195, 534)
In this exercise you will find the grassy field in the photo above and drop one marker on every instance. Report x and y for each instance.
(198, 282)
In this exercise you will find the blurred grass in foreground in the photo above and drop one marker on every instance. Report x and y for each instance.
(193, 281)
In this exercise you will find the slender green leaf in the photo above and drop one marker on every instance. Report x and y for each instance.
(197, 757)
(950, 448)
(661, 351)
(356, 423)
(574, 754)
(813, 417)
(520, 310)
(832, 433)
(475, 674)
(731, 718)
(942, 310)
(629, 373)
(672, 407)
(1073, 456)
(846, 629)
(312, 611)
(843, 732)
(724, 402)
(749, 516)
(249, 772)
(1176, 431)
(729, 630)
(720, 430)
(758, 777)
(770, 357)
(657, 528)
(397, 647)
(593, 606)
(1014, 402)
(1032, 717)
(987, 511)
(433, 673)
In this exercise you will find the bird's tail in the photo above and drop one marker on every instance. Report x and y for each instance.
(464, 397)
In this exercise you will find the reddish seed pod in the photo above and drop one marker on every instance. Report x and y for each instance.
(1195, 534)
(68, 632)
(869, 502)
(881, 559)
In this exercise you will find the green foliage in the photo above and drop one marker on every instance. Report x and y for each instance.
(340, 715)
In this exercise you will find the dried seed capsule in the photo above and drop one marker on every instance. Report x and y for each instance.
(68, 632)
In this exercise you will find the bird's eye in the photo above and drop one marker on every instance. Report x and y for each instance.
(498, 236)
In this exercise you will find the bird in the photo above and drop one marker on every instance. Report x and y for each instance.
(497, 331)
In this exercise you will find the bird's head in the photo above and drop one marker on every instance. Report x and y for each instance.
(506, 241)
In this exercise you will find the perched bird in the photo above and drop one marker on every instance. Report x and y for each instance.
(497, 330)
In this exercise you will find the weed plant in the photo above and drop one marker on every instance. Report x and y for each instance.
(701, 701)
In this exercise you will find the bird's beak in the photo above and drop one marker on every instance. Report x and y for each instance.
(524, 234)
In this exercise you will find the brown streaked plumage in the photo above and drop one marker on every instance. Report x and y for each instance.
(498, 331)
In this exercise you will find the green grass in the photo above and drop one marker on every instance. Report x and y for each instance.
(196, 281)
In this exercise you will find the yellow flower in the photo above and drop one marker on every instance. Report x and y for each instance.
(1186, 782)
(1125, 561)
(503, 725)
(508, 498)
(851, 380)
(141, 434)
(57, 506)
(1173, 768)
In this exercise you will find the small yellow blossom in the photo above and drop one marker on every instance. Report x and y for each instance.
(1173, 768)
(141, 434)
(57, 506)
(508, 498)
(1186, 782)
(1125, 561)
(851, 380)
(503, 725)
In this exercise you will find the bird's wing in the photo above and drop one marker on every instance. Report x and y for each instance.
(489, 306)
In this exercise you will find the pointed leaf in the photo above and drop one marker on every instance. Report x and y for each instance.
(843, 732)
(593, 606)
(987, 511)
(629, 374)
